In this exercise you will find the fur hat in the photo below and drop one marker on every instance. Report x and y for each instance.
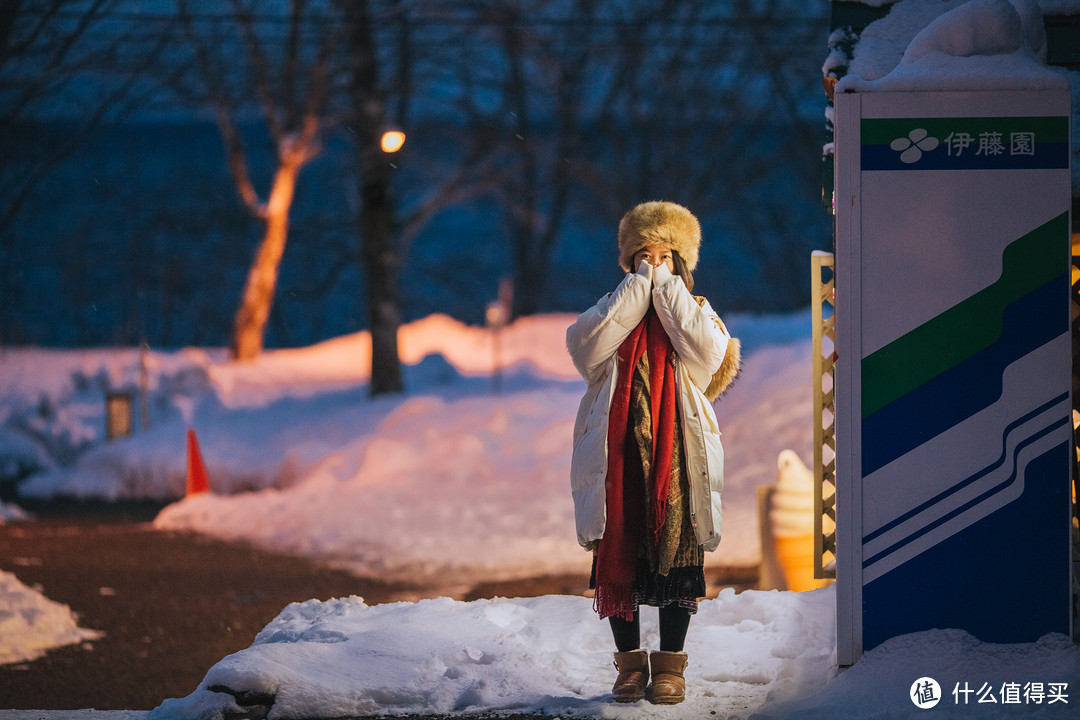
(659, 223)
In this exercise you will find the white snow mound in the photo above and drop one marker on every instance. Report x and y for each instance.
(31, 624)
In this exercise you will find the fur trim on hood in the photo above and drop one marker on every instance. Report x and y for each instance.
(729, 368)
(659, 223)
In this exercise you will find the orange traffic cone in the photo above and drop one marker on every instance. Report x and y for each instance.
(197, 479)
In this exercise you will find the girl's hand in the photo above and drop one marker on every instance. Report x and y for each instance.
(661, 275)
(646, 270)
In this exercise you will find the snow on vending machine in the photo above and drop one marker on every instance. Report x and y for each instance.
(953, 411)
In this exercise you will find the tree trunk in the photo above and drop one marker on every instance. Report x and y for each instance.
(524, 190)
(258, 296)
(379, 251)
(382, 264)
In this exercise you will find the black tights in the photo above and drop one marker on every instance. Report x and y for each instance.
(674, 622)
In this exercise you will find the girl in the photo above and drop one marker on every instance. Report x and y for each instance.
(647, 465)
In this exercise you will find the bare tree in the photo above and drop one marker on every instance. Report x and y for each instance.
(604, 96)
(533, 137)
(383, 82)
(708, 106)
(51, 53)
(46, 47)
(555, 110)
(532, 226)
(381, 258)
(294, 100)
(288, 80)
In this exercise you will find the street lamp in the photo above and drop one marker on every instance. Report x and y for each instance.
(392, 140)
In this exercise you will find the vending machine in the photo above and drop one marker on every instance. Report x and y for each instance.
(954, 433)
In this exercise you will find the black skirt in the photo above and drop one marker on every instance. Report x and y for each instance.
(682, 586)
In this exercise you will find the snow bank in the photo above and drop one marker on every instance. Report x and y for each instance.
(928, 45)
(451, 478)
(534, 344)
(759, 655)
(260, 424)
(10, 512)
(976, 680)
(30, 623)
(439, 488)
(551, 654)
(464, 483)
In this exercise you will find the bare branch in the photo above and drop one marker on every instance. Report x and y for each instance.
(260, 68)
(289, 69)
(116, 103)
(223, 116)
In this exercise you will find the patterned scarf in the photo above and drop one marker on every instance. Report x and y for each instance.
(617, 552)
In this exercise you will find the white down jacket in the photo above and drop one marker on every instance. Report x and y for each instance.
(699, 342)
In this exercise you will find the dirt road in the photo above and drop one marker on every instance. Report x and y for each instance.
(170, 604)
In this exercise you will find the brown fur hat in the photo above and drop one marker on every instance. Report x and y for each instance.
(659, 223)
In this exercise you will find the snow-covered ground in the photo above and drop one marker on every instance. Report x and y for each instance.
(765, 655)
(456, 480)
(463, 478)
(549, 654)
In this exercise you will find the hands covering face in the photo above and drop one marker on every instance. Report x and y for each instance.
(661, 275)
(657, 275)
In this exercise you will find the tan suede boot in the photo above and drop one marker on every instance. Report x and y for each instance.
(668, 685)
(633, 667)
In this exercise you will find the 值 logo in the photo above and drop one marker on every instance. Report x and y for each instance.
(925, 693)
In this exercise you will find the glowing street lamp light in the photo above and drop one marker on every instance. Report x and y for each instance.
(392, 140)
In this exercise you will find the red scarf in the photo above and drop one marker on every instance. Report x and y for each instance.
(617, 553)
